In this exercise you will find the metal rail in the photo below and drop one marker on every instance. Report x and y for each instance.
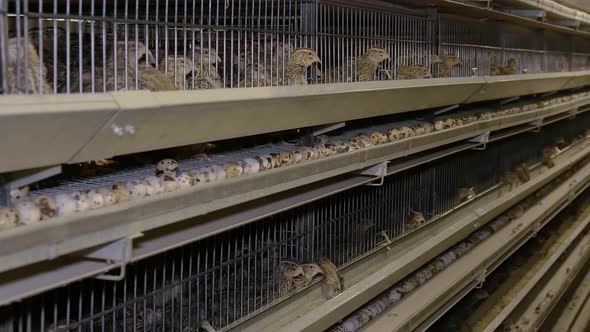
(82, 126)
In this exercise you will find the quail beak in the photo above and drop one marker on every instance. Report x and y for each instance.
(151, 59)
(317, 59)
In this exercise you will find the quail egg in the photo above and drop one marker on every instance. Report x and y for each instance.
(137, 189)
(167, 167)
(287, 158)
(378, 138)
(8, 218)
(219, 171)
(265, 162)
(83, 202)
(250, 166)
(110, 198)
(96, 199)
(66, 205)
(170, 183)
(48, 207)
(121, 192)
(28, 212)
(184, 181)
(233, 169)
(18, 194)
(155, 185)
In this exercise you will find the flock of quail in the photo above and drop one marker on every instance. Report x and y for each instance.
(50, 58)
(403, 288)
(168, 177)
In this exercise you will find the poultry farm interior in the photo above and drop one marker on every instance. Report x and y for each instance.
(294, 165)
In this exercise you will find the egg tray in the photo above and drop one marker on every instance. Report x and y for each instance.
(84, 184)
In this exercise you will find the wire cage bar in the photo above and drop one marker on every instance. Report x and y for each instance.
(73, 46)
(227, 277)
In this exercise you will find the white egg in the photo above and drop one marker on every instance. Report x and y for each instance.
(28, 212)
(96, 199)
(137, 189)
(8, 218)
(48, 207)
(110, 198)
(184, 181)
(66, 204)
(121, 192)
(155, 186)
(83, 202)
(250, 166)
(19, 194)
(219, 172)
(167, 167)
(170, 184)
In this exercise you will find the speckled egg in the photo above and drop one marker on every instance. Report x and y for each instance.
(250, 166)
(83, 202)
(419, 130)
(287, 158)
(233, 169)
(450, 122)
(298, 156)
(265, 162)
(439, 264)
(121, 192)
(394, 134)
(137, 189)
(19, 193)
(184, 181)
(341, 147)
(209, 174)
(66, 205)
(407, 132)
(422, 276)
(378, 138)
(28, 212)
(110, 198)
(155, 186)
(197, 176)
(48, 206)
(167, 167)
(364, 141)
(448, 257)
(8, 218)
(394, 295)
(408, 285)
(96, 198)
(440, 125)
(332, 148)
(219, 171)
(276, 160)
(170, 183)
(322, 139)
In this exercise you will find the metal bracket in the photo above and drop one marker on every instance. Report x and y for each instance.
(537, 126)
(21, 179)
(545, 95)
(483, 139)
(379, 171)
(481, 279)
(446, 109)
(205, 325)
(117, 254)
(509, 100)
(386, 240)
(572, 113)
(307, 138)
(329, 128)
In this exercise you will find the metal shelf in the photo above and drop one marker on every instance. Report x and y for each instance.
(374, 274)
(462, 8)
(423, 306)
(63, 129)
(46, 241)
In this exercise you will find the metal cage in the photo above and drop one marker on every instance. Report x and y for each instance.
(225, 278)
(71, 46)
